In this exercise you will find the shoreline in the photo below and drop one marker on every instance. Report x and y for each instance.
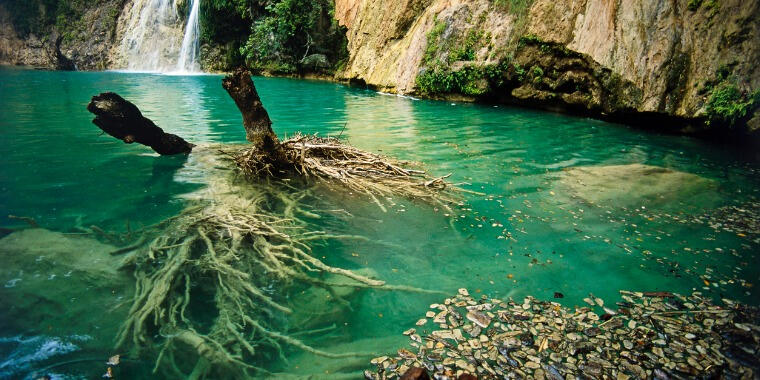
(650, 122)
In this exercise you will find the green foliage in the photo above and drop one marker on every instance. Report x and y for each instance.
(466, 50)
(438, 78)
(538, 73)
(453, 48)
(42, 17)
(291, 30)
(515, 7)
(728, 105)
(519, 72)
(433, 41)
(529, 39)
(712, 5)
(68, 20)
(238, 7)
(274, 35)
(467, 81)
(32, 16)
(224, 21)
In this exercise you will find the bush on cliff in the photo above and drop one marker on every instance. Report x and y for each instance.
(730, 106)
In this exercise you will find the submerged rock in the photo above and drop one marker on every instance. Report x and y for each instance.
(66, 295)
(54, 284)
(633, 184)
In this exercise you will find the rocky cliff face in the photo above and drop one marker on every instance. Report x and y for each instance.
(671, 59)
(80, 37)
(679, 65)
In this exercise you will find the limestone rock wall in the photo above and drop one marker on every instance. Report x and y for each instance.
(666, 49)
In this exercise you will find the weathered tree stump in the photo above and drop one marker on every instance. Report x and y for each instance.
(123, 120)
(258, 126)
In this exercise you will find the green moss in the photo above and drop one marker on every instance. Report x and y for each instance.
(537, 71)
(713, 6)
(694, 4)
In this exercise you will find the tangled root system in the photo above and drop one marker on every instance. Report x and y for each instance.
(201, 279)
(333, 162)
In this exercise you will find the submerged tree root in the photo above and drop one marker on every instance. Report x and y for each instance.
(335, 162)
(202, 299)
(199, 291)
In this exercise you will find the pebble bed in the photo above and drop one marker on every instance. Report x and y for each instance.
(654, 335)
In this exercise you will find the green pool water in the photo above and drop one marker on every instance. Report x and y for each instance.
(527, 232)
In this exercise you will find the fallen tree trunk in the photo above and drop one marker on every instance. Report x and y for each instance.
(326, 159)
(258, 126)
(123, 120)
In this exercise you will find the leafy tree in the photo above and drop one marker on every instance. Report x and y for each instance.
(291, 30)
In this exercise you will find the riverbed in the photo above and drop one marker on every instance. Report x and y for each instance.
(555, 205)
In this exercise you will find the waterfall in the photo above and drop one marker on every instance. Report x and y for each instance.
(188, 54)
(155, 39)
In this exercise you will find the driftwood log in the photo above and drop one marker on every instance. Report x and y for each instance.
(123, 120)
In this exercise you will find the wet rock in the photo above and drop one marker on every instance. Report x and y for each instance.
(591, 369)
(592, 331)
(659, 374)
(479, 318)
(545, 340)
(415, 373)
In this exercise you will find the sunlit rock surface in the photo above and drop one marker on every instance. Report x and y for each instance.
(634, 184)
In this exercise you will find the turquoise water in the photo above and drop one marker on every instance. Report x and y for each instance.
(527, 234)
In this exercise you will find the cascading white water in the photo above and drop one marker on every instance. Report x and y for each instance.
(153, 38)
(188, 54)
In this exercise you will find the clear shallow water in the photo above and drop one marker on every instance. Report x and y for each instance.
(526, 235)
